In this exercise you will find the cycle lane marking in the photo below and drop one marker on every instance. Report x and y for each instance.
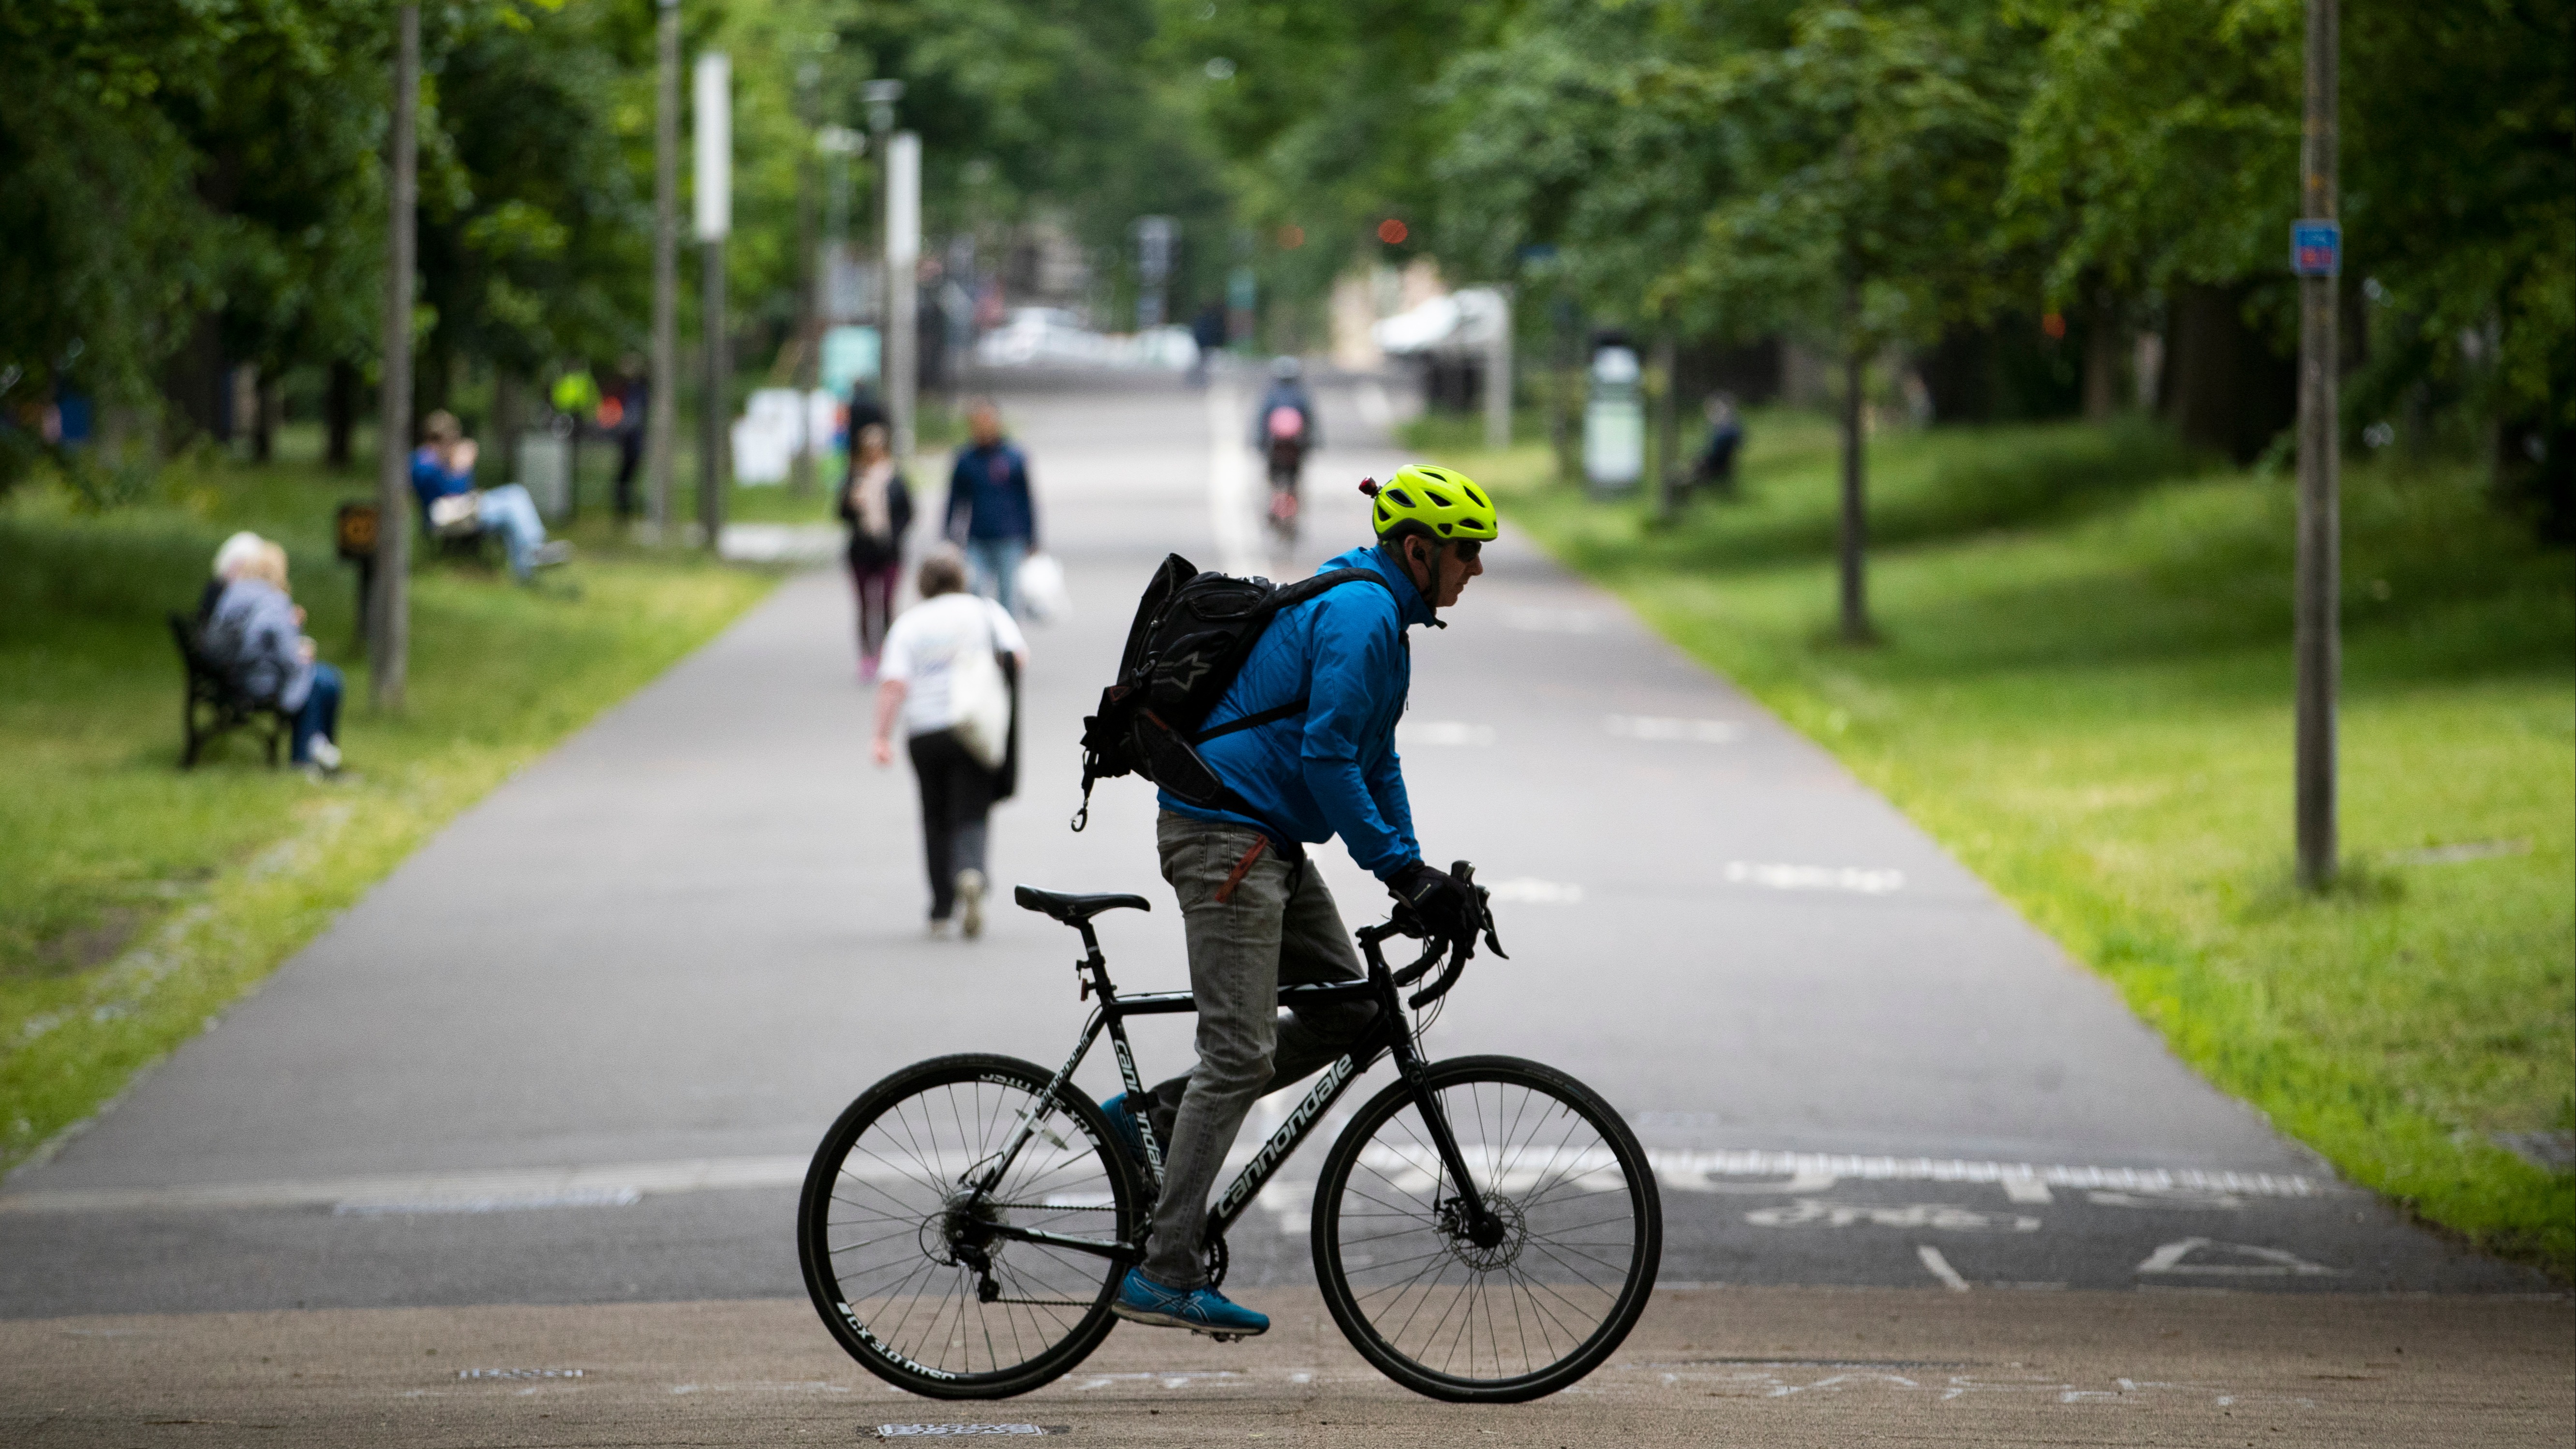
(1678, 1169)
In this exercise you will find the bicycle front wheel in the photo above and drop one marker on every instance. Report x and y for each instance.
(1554, 1284)
(916, 1273)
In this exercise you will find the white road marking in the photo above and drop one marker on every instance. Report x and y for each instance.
(2175, 1257)
(1939, 1267)
(1815, 877)
(1679, 1169)
(649, 1178)
(1523, 890)
(1663, 728)
(1443, 732)
(1230, 504)
(2026, 1189)
(1689, 1170)
(2170, 1201)
(1945, 1217)
(488, 1202)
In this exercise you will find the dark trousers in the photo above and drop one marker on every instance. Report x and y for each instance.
(320, 714)
(874, 577)
(1275, 926)
(630, 456)
(956, 796)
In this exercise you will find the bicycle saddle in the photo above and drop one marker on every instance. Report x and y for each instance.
(1073, 910)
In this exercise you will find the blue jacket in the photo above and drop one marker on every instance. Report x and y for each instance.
(1332, 770)
(991, 487)
(430, 478)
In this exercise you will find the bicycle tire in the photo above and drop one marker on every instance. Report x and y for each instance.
(1551, 1156)
(886, 1176)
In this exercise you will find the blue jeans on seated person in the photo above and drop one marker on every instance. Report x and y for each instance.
(511, 513)
(320, 714)
(994, 565)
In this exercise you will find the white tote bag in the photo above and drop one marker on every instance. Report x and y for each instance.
(982, 699)
(1040, 585)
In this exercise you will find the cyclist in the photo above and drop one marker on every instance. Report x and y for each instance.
(1254, 914)
(1284, 432)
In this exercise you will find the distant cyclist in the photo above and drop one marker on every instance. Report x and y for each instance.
(1255, 913)
(1284, 431)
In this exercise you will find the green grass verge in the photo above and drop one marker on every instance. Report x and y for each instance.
(2083, 691)
(137, 901)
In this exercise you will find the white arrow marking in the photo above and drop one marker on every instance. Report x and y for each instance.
(2269, 1262)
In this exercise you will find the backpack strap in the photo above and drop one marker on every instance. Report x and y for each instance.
(1289, 598)
(1272, 715)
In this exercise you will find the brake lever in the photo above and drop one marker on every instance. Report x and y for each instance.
(1485, 907)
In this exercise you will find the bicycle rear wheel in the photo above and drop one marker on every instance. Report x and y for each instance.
(900, 1256)
(1506, 1320)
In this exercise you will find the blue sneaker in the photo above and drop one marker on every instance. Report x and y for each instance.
(1123, 1122)
(1200, 1310)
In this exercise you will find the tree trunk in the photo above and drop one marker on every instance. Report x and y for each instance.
(2223, 386)
(193, 382)
(1854, 539)
(340, 416)
(1668, 429)
(2103, 336)
(272, 412)
(389, 610)
(509, 413)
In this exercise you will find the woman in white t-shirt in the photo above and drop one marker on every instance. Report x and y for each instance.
(921, 654)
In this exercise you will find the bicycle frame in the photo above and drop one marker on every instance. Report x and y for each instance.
(1392, 1034)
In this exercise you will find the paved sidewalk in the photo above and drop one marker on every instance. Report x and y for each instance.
(1774, 1367)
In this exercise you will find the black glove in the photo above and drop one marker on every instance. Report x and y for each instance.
(1447, 909)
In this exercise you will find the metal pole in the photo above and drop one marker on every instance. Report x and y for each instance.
(1498, 377)
(881, 96)
(389, 621)
(2316, 639)
(713, 119)
(661, 417)
(711, 404)
(903, 259)
(800, 480)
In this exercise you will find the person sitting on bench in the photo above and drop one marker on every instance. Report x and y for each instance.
(255, 633)
(442, 473)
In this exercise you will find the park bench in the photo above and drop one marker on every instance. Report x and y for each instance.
(215, 705)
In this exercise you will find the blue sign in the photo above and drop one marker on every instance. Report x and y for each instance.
(2316, 248)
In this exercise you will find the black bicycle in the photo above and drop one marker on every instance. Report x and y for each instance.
(1485, 1229)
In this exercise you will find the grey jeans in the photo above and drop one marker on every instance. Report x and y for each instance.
(1277, 928)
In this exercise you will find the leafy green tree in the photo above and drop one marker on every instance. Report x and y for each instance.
(535, 228)
(117, 232)
(1870, 154)
(2159, 151)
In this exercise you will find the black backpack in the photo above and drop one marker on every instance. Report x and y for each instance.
(1192, 633)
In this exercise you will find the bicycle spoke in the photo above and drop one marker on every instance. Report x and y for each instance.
(1539, 1277)
(901, 1228)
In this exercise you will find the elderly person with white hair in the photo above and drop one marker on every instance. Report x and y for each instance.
(255, 633)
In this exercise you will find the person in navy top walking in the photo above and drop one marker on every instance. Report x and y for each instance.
(991, 514)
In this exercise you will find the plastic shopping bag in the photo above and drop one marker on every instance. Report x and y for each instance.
(1041, 589)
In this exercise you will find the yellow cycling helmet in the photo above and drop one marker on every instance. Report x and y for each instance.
(1439, 503)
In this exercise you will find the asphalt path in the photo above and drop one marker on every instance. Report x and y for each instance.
(574, 1051)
